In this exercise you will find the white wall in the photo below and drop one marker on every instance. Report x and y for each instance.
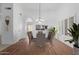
(66, 11)
(6, 36)
(18, 22)
(16, 27)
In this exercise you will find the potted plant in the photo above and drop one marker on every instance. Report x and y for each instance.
(52, 32)
(74, 33)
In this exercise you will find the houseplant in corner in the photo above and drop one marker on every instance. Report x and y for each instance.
(74, 33)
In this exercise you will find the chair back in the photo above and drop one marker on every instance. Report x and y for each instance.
(49, 35)
(30, 35)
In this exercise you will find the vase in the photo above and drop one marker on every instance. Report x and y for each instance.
(7, 23)
(76, 44)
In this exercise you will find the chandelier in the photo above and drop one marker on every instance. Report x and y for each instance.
(39, 20)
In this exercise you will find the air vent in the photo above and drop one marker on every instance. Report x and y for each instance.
(8, 8)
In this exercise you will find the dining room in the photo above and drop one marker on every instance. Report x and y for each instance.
(37, 28)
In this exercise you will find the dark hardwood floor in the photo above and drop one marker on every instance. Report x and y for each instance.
(21, 48)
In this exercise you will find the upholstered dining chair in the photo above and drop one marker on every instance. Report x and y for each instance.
(50, 37)
(30, 36)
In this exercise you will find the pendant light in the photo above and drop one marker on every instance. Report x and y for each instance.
(40, 19)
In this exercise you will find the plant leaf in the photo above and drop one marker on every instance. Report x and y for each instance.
(70, 41)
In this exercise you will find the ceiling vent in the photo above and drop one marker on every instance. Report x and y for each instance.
(8, 8)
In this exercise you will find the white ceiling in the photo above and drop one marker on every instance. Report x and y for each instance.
(44, 6)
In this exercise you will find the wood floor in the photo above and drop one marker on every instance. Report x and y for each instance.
(21, 48)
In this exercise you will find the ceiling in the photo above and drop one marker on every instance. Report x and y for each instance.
(44, 7)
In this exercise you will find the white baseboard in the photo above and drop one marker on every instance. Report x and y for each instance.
(62, 38)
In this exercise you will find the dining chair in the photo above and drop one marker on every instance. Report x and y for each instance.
(50, 37)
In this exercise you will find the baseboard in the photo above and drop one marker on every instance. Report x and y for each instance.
(62, 38)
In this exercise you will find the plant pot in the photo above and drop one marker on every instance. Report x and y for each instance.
(53, 35)
(76, 44)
